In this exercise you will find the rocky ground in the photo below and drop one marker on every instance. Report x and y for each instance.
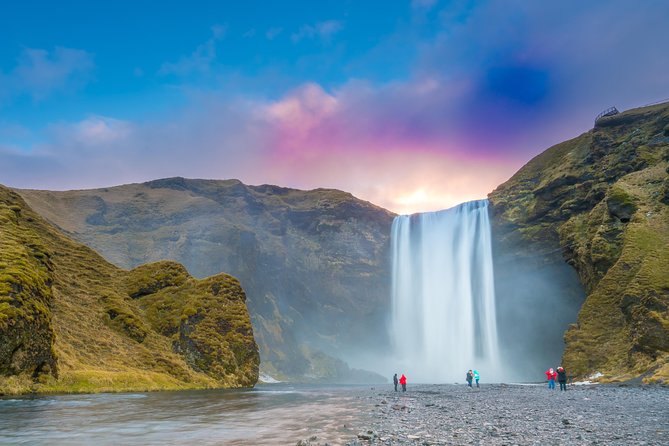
(513, 415)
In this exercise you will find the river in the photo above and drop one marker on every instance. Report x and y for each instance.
(274, 414)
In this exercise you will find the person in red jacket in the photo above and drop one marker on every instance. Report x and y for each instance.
(550, 377)
(403, 381)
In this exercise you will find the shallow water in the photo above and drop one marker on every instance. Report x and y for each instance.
(266, 415)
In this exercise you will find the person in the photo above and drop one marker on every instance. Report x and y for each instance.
(395, 381)
(562, 378)
(476, 377)
(403, 381)
(469, 378)
(550, 376)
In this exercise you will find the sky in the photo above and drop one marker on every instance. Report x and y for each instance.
(413, 105)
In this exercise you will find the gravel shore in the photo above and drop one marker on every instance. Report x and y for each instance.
(499, 414)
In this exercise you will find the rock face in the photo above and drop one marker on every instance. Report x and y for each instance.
(600, 202)
(314, 264)
(72, 322)
(580, 233)
(26, 275)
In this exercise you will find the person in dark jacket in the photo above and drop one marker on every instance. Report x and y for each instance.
(562, 378)
(395, 381)
(469, 378)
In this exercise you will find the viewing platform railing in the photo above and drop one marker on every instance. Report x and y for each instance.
(608, 112)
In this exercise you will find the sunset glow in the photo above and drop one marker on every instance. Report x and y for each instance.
(428, 105)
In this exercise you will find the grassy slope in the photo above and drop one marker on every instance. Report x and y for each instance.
(602, 198)
(313, 263)
(176, 333)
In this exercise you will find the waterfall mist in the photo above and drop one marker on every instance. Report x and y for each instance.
(443, 295)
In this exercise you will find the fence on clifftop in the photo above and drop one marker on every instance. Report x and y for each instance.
(608, 112)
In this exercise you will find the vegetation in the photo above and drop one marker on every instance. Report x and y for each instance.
(26, 334)
(72, 322)
(313, 264)
(600, 199)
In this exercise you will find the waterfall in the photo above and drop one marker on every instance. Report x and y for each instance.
(443, 315)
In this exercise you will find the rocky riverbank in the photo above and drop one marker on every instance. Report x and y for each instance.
(498, 414)
(515, 414)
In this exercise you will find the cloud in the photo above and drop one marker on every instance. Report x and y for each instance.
(218, 31)
(41, 73)
(200, 60)
(489, 86)
(380, 144)
(359, 138)
(321, 30)
(273, 33)
(212, 138)
(298, 114)
(423, 4)
(94, 131)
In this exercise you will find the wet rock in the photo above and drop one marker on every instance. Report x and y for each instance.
(312, 441)
(369, 435)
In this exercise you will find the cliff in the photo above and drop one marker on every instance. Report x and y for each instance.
(581, 233)
(600, 202)
(72, 322)
(314, 264)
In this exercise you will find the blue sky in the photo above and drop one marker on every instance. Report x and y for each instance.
(139, 52)
(413, 105)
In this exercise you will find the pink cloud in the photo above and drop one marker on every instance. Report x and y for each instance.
(295, 119)
(359, 139)
(394, 145)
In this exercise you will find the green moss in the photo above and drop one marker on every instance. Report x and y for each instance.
(209, 325)
(621, 203)
(605, 195)
(26, 336)
(151, 278)
(72, 322)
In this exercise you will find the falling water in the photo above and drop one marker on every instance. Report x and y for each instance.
(443, 294)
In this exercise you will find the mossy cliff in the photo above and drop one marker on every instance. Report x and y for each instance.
(72, 322)
(314, 264)
(601, 202)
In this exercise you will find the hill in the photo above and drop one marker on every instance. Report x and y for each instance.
(314, 264)
(600, 202)
(580, 233)
(72, 322)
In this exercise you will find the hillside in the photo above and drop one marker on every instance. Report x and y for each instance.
(314, 264)
(72, 322)
(600, 201)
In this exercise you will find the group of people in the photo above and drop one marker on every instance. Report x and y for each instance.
(473, 376)
(560, 375)
(402, 381)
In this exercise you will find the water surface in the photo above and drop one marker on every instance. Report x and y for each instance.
(267, 415)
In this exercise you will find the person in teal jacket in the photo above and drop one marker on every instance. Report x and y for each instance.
(477, 377)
